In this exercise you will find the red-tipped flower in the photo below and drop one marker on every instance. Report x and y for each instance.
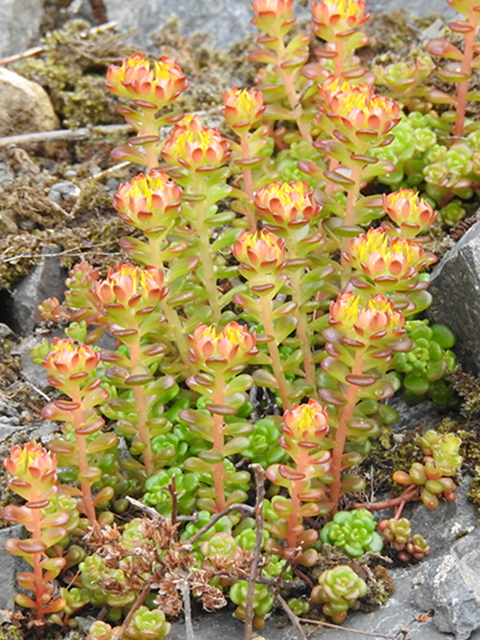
(410, 212)
(148, 201)
(287, 204)
(194, 146)
(275, 17)
(306, 422)
(242, 108)
(338, 16)
(376, 319)
(129, 285)
(136, 80)
(68, 359)
(259, 252)
(230, 348)
(33, 471)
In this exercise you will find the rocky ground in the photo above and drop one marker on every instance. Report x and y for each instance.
(55, 210)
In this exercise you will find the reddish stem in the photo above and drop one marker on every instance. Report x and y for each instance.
(340, 58)
(410, 494)
(295, 502)
(466, 69)
(37, 562)
(341, 434)
(83, 465)
(248, 182)
(150, 128)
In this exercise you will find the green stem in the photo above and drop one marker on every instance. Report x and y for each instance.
(180, 339)
(83, 465)
(341, 434)
(466, 68)
(340, 58)
(302, 332)
(218, 445)
(141, 406)
(150, 128)
(273, 351)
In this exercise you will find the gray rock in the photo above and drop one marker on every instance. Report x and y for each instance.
(47, 279)
(450, 586)
(225, 21)
(412, 417)
(20, 20)
(5, 330)
(60, 191)
(455, 288)
(34, 374)
(10, 566)
(24, 105)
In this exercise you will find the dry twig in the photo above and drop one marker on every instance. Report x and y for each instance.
(260, 496)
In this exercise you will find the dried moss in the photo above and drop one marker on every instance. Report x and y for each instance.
(72, 70)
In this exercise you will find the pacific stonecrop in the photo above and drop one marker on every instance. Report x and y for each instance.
(258, 319)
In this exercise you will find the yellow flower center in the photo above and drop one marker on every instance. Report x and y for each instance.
(163, 71)
(146, 185)
(344, 8)
(289, 194)
(233, 333)
(410, 196)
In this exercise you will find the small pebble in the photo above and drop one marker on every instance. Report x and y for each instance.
(62, 190)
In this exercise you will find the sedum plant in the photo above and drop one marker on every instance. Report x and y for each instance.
(268, 308)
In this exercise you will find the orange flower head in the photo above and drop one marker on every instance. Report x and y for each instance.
(194, 146)
(259, 252)
(287, 204)
(33, 472)
(387, 260)
(67, 359)
(136, 80)
(377, 319)
(230, 348)
(306, 422)
(358, 107)
(339, 15)
(412, 214)
(275, 17)
(242, 108)
(129, 285)
(148, 201)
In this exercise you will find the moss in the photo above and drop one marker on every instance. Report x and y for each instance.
(10, 632)
(72, 70)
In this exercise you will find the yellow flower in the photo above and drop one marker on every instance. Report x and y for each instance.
(357, 107)
(259, 252)
(129, 285)
(242, 108)
(148, 201)
(69, 358)
(285, 204)
(306, 422)
(387, 260)
(332, 17)
(194, 146)
(136, 80)
(33, 471)
(377, 319)
(409, 211)
(228, 348)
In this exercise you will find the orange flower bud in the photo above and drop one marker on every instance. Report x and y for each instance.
(412, 214)
(228, 349)
(33, 471)
(148, 201)
(130, 285)
(137, 81)
(387, 260)
(338, 15)
(275, 17)
(70, 359)
(287, 204)
(306, 422)
(376, 320)
(259, 252)
(242, 108)
(194, 146)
